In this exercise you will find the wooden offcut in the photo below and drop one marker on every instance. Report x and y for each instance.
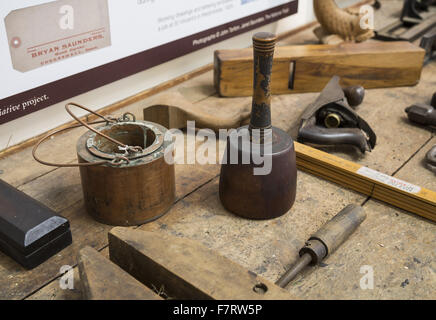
(174, 111)
(185, 269)
(103, 280)
(308, 68)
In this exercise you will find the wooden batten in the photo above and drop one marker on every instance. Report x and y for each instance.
(185, 269)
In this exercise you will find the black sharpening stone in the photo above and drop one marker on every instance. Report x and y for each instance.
(30, 233)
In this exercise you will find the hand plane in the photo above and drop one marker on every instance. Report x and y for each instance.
(428, 43)
(331, 121)
(308, 68)
(431, 159)
(411, 25)
(422, 113)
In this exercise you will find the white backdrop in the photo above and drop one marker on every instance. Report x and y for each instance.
(42, 121)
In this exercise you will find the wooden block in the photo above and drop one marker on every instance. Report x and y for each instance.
(185, 269)
(104, 280)
(308, 68)
(30, 232)
(173, 111)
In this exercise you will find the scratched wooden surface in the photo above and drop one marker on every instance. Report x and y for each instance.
(400, 247)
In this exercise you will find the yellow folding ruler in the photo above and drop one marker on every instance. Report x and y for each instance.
(379, 186)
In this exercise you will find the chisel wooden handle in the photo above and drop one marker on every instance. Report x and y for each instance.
(263, 45)
(336, 231)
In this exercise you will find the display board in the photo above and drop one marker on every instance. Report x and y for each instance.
(54, 50)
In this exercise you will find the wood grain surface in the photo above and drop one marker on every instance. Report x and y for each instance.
(186, 269)
(308, 68)
(103, 280)
(397, 245)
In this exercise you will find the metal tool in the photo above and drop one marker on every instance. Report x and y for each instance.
(326, 240)
(424, 5)
(331, 121)
(264, 195)
(425, 115)
(422, 114)
(354, 95)
(411, 20)
(431, 159)
(125, 177)
(428, 43)
(377, 4)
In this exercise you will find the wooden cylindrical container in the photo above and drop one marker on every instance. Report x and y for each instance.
(131, 193)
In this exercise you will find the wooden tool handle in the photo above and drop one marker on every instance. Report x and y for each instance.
(339, 229)
(263, 45)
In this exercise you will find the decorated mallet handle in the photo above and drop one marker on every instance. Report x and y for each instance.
(263, 47)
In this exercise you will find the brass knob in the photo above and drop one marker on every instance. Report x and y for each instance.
(332, 120)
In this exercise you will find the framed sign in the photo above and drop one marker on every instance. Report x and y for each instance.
(55, 50)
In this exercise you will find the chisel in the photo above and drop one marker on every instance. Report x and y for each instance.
(326, 240)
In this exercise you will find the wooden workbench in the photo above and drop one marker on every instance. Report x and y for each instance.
(401, 247)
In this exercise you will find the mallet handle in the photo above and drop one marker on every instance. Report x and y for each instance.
(263, 45)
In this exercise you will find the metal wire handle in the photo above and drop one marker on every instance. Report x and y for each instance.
(117, 161)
